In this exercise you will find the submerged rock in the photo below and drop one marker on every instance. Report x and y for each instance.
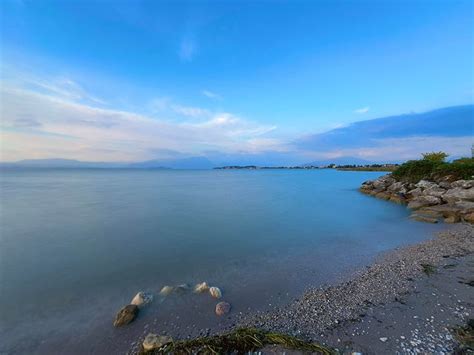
(421, 218)
(154, 342)
(166, 290)
(201, 287)
(126, 315)
(222, 308)
(183, 288)
(215, 292)
(142, 298)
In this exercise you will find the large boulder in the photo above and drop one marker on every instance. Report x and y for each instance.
(434, 190)
(398, 187)
(423, 201)
(425, 184)
(458, 194)
(155, 342)
(465, 184)
(444, 210)
(126, 315)
(415, 192)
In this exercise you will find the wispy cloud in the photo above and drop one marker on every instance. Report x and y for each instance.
(36, 124)
(362, 110)
(166, 104)
(211, 95)
(187, 49)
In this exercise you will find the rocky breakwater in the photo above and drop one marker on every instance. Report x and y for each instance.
(430, 201)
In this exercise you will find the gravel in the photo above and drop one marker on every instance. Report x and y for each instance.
(368, 311)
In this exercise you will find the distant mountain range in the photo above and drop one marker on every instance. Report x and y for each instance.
(457, 121)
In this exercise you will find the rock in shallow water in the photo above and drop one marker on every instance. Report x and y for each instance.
(142, 298)
(166, 290)
(215, 292)
(126, 315)
(222, 308)
(153, 341)
(201, 287)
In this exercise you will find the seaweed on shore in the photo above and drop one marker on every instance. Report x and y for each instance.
(240, 341)
(465, 337)
(428, 269)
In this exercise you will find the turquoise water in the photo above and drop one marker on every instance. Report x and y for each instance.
(76, 245)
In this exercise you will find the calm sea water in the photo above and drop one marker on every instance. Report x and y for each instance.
(76, 245)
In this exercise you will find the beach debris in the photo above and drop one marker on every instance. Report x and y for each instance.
(126, 315)
(222, 308)
(201, 287)
(154, 341)
(166, 290)
(142, 298)
(215, 292)
(383, 339)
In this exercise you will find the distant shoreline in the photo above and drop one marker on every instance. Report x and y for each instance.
(371, 167)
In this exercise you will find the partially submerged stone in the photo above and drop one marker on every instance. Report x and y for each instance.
(452, 219)
(126, 315)
(222, 308)
(201, 287)
(154, 342)
(166, 290)
(215, 292)
(183, 288)
(421, 218)
(142, 298)
(469, 218)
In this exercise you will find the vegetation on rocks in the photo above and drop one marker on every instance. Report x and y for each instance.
(434, 167)
(240, 341)
(430, 187)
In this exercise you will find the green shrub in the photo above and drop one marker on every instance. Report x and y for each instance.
(415, 170)
(432, 169)
(458, 169)
(437, 157)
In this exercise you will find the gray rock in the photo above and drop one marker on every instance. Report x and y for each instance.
(415, 192)
(434, 191)
(445, 185)
(423, 201)
(142, 298)
(126, 315)
(459, 194)
(396, 187)
(222, 308)
(154, 342)
(424, 184)
(465, 184)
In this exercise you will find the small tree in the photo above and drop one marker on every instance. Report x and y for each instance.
(435, 157)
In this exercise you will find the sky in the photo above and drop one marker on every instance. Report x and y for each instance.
(137, 80)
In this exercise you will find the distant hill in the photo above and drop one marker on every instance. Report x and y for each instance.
(186, 163)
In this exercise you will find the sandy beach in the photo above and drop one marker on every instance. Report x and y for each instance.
(408, 301)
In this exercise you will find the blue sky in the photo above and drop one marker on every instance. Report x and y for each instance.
(188, 78)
